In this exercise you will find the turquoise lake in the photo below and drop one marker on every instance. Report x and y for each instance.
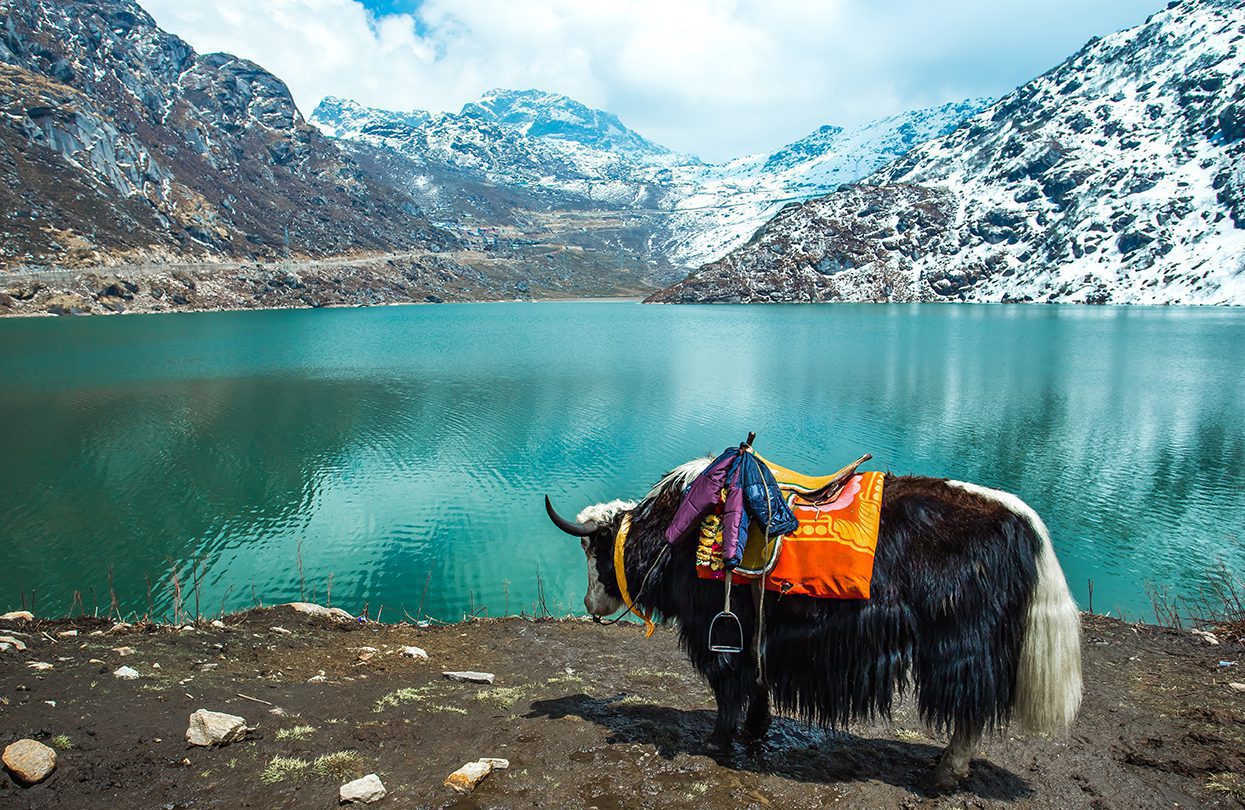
(404, 451)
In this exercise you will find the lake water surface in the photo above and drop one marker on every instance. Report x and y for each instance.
(406, 449)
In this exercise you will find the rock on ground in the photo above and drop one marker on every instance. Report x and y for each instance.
(415, 652)
(214, 728)
(470, 677)
(18, 616)
(30, 761)
(366, 790)
(465, 779)
(126, 673)
(320, 610)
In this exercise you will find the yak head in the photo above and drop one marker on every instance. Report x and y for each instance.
(596, 528)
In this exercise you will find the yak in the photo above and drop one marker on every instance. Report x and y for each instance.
(969, 609)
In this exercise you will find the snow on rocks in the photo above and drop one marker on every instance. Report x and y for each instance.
(320, 610)
(215, 728)
(365, 790)
(29, 761)
(465, 779)
(470, 677)
(126, 673)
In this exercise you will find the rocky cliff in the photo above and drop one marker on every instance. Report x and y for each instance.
(1115, 177)
(118, 139)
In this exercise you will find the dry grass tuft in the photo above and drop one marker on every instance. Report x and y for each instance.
(281, 768)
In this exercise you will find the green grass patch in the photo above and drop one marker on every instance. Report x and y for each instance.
(281, 768)
(340, 764)
(1230, 783)
(400, 696)
(61, 742)
(295, 733)
(503, 697)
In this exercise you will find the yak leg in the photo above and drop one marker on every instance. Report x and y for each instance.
(729, 710)
(757, 722)
(953, 764)
(729, 683)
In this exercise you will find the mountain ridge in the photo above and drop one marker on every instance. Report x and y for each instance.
(1116, 176)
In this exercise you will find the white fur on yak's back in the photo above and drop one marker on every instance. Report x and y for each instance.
(603, 513)
(1048, 683)
(681, 475)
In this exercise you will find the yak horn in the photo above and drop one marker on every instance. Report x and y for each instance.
(570, 527)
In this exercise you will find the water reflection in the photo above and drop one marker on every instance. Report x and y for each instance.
(404, 451)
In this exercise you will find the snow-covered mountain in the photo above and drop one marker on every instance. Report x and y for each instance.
(525, 139)
(1118, 176)
(717, 208)
(544, 142)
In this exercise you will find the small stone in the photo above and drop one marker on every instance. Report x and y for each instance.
(280, 630)
(186, 628)
(51, 703)
(30, 761)
(218, 624)
(15, 643)
(18, 616)
(214, 728)
(126, 673)
(415, 652)
(39, 665)
(1237, 686)
(317, 678)
(155, 665)
(470, 677)
(119, 626)
(465, 779)
(123, 651)
(363, 791)
(67, 634)
(1207, 636)
(278, 711)
(95, 661)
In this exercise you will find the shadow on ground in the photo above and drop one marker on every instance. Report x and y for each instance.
(792, 750)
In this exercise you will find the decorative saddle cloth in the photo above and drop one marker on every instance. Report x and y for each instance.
(830, 555)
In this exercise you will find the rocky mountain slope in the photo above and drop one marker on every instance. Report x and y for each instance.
(1115, 177)
(558, 154)
(119, 140)
(717, 208)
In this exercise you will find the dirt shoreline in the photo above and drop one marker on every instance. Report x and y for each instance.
(588, 715)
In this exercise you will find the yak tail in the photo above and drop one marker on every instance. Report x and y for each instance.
(1048, 678)
(1048, 681)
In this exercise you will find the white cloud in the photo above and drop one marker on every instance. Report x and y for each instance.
(717, 78)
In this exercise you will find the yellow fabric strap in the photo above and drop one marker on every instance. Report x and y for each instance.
(620, 573)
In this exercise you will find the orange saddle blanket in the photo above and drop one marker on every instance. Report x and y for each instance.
(829, 557)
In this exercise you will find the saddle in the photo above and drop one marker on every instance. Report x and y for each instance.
(830, 556)
(813, 488)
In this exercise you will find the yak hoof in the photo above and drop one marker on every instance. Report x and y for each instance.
(945, 777)
(757, 728)
(718, 744)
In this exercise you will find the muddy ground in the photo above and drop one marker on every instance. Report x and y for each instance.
(588, 715)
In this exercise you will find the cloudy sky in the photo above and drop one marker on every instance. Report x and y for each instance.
(716, 78)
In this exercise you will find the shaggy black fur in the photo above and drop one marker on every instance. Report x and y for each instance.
(952, 580)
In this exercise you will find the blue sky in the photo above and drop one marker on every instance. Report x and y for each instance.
(716, 78)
